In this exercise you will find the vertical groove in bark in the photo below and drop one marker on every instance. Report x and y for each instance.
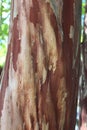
(68, 18)
(71, 17)
(38, 91)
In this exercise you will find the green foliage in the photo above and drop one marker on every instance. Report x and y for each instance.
(2, 54)
(83, 11)
(4, 28)
(83, 8)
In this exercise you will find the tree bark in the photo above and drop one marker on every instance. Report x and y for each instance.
(40, 80)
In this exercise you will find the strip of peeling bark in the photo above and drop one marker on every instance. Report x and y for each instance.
(35, 91)
(72, 57)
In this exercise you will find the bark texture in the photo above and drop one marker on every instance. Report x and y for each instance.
(40, 81)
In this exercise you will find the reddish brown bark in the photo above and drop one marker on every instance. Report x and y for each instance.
(40, 76)
(71, 28)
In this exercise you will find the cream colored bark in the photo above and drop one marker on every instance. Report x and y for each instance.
(34, 89)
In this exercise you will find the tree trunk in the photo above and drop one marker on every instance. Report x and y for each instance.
(40, 80)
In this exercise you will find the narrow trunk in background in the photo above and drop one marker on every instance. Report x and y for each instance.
(40, 80)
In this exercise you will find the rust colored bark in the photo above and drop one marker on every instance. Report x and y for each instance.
(71, 29)
(40, 74)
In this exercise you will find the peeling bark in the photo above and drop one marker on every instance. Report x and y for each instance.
(37, 85)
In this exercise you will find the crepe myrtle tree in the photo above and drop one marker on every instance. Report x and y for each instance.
(40, 79)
